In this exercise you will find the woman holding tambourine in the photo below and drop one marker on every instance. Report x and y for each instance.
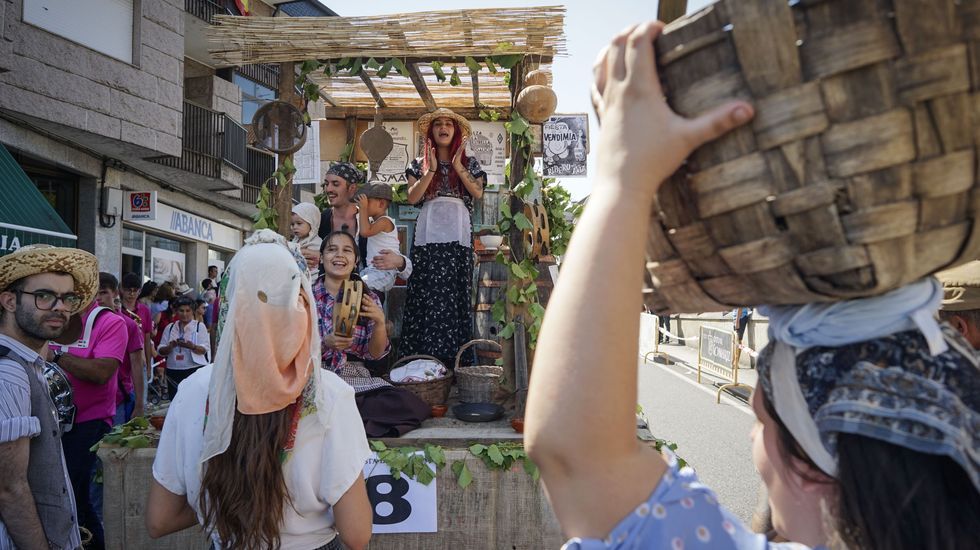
(385, 410)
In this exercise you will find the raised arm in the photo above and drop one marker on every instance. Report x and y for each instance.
(581, 426)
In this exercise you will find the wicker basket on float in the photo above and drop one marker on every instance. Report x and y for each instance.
(857, 174)
(433, 392)
(478, 384)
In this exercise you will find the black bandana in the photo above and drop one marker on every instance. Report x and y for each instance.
(347, 171)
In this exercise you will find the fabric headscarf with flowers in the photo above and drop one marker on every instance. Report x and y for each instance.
(268, 342)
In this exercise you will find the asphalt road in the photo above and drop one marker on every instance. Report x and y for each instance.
(713, 438)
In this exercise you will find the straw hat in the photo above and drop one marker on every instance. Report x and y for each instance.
(44, 258)
(426, 120)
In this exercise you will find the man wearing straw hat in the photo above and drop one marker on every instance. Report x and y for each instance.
(961, 300)
(40, 288)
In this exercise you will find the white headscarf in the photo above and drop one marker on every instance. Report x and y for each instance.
(266, 272)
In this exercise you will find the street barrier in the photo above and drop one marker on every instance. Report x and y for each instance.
(656, 343)
(718, 353)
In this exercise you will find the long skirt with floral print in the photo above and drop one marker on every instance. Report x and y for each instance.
(438, 313)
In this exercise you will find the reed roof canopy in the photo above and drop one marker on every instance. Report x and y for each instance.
(419, 40)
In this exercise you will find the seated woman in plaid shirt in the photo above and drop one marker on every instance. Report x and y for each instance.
(387, 411)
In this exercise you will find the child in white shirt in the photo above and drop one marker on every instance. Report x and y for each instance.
(305, 224)
(372, 202)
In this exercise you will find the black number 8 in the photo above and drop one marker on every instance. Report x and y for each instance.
(401, 509)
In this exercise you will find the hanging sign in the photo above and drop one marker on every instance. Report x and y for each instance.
(307, 159)
(392, 169)
(400, 505)
(488, 143)
(565, 140)
(139, 205)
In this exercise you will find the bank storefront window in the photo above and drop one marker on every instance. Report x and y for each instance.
(165, 259)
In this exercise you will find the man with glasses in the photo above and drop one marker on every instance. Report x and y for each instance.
(40, 288)
(92, 365)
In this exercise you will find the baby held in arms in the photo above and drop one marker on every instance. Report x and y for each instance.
(372, 203)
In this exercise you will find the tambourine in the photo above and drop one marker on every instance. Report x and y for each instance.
(537, 240)
(347, 308)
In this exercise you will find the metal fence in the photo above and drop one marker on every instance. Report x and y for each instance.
(203, 9)
(260, 166)
(264, 73)
(210, 138)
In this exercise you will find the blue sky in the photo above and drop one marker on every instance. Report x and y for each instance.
(588, 27)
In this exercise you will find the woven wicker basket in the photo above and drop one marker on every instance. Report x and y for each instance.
(433, 392)
(478, 384)
(858, 173)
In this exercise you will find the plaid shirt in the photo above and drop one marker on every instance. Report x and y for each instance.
(334, 359)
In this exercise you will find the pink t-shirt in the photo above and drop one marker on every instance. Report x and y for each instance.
(134, 343)
(146, 319)
(108, 340)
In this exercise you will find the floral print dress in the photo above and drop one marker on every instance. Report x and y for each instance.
(438, 311)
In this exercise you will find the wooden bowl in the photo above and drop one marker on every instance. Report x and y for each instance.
(517, 424)
(438, 411)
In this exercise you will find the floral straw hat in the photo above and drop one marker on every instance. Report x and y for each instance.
(44, 258)
(426, 120)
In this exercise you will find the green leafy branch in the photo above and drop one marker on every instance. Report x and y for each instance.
(267, 217)
(521, 288)
(498, 456)
(562, 211)
(406, 461)
(134, 434)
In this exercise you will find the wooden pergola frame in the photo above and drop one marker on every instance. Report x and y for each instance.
(417, 39)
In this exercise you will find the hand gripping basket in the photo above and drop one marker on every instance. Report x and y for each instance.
(857, 174)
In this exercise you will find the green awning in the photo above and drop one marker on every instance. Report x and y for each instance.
(26, 217)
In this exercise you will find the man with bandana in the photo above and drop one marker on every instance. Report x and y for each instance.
(339, 186)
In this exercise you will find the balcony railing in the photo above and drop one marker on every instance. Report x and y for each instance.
(203, 9)
(260, 167)
(266, 74)
(210, 139)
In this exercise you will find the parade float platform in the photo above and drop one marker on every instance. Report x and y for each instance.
(499, 509)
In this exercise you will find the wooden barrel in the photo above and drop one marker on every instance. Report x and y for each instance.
(491, 284)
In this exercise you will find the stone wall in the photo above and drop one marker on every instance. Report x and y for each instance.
(54, 79)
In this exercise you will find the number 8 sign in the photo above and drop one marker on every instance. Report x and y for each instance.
(399, 505)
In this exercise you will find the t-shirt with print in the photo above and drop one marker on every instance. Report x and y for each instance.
(323, 465)
(681, 512)
(134, 343)
(108, 341)
(194, 332)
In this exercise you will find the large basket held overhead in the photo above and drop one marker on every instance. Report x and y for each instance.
(857, 174)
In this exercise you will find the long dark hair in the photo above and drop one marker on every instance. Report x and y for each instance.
(454, 145)
(147, 290)
(243, 491)
(892, 497)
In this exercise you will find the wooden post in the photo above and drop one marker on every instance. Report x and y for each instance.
(283, 195)
(515, 237)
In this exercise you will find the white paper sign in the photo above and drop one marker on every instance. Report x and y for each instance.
(489, 145)
(399, 505)
(392, 169)
(307, 159)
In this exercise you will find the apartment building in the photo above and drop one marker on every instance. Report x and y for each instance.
(106, 103)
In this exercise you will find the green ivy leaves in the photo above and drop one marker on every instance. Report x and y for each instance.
(406, 461)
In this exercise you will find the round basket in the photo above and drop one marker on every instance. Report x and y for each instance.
(433, 392)
(857, 174)
(478, 384)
